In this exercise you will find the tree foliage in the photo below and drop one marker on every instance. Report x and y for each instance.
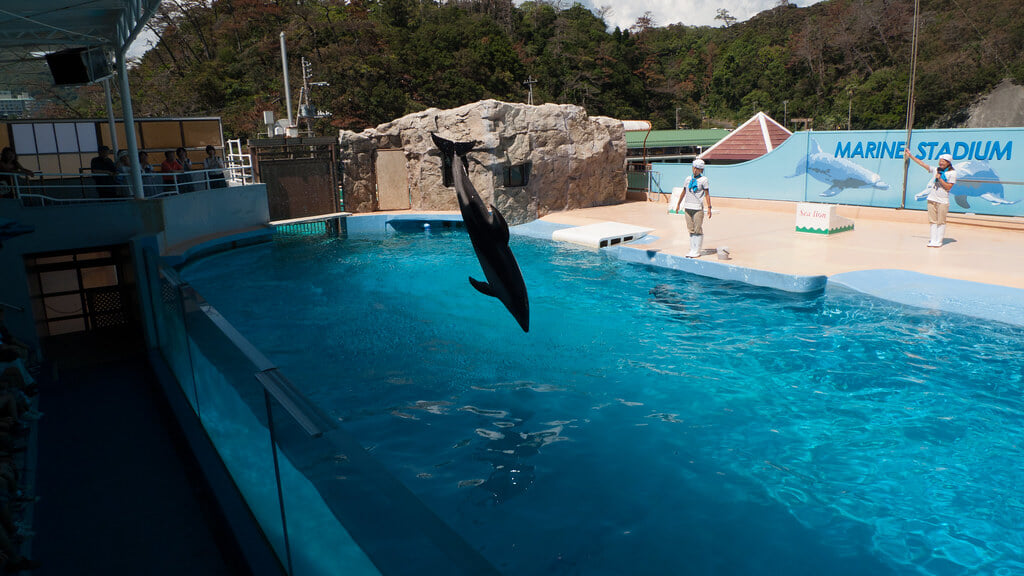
(387, 58)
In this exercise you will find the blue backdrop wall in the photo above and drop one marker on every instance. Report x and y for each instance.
(865, 168)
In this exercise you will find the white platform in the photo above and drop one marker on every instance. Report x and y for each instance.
(601, 234)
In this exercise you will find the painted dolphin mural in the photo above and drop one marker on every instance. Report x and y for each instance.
(982, 182)
(839, 173)
(489, 235)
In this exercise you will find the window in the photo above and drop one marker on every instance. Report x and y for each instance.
(446, 171)
(80, 291)
(517, 175)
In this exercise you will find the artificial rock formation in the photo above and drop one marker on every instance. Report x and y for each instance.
(576, 160)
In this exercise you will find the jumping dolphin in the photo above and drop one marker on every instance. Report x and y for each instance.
(982, 182)
(489, 234)
(838, 173)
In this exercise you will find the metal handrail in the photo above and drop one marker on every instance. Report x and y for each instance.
(239, 164)
(293, 402)
(155, 185)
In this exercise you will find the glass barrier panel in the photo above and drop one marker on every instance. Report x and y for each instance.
(320, 545)
(325, 505)
(171, 333)
(232, 409)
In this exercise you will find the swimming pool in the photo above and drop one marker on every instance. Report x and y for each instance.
(651, 422)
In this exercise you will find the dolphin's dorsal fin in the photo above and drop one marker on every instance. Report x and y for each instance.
(499, 225)
(961, 201)
(483, 287)
(817, 148)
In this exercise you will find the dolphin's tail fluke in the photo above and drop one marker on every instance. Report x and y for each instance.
(449, 148)
(995, 200)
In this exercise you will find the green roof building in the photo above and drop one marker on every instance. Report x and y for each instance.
(670, 145)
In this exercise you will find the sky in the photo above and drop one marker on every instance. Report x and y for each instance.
(690, 12)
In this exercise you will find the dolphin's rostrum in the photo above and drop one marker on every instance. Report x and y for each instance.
(489, 235)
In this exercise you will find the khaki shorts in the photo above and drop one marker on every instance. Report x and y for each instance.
(937, 212)
(694, 221)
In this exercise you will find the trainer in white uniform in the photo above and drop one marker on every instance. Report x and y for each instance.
(942, 180)
(696, 193)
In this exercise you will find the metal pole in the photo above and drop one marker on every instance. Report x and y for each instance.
(910, 100)
(785, 113)
(287, 87)
(129, 128)
(849, 111)
(110, 115)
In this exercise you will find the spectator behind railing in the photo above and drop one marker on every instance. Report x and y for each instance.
(103, 172)
(215, 169)
(170, 168)
(184, 185)
(123, 174)
(150, 182)
(10, 170)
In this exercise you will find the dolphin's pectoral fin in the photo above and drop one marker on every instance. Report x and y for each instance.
(499, 225)
(483, 287)
(961, 201)
(832, 191)
(996, 199)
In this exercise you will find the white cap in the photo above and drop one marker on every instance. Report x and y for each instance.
(698, 164)
(946, 157)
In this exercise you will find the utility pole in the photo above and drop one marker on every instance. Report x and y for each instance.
(677, 118)
(785, 112)
(530, 82)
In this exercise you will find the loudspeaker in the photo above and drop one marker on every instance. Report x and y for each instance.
(78, 66)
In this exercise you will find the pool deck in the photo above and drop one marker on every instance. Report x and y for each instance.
(761, 235)
(979, 271)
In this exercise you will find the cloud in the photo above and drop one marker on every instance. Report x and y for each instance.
(624, 13)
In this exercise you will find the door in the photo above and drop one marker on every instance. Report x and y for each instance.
(392, 180)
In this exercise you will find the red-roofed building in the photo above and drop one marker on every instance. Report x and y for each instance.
(755, 138)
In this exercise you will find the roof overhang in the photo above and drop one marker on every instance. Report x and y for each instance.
(31, 28)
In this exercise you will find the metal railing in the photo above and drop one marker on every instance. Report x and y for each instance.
(51, 188)
(239, 164)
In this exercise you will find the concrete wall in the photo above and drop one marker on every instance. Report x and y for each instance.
(196, 215)
(173, 221)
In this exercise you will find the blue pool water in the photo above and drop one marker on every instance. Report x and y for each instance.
(651, 422)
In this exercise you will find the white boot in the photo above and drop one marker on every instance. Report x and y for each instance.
(696, 241)
(931, 235)
(940, 235)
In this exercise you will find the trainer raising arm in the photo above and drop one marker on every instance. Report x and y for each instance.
(942, 181)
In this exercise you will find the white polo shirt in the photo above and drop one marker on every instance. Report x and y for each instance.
(937, 193)
(694, 192)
